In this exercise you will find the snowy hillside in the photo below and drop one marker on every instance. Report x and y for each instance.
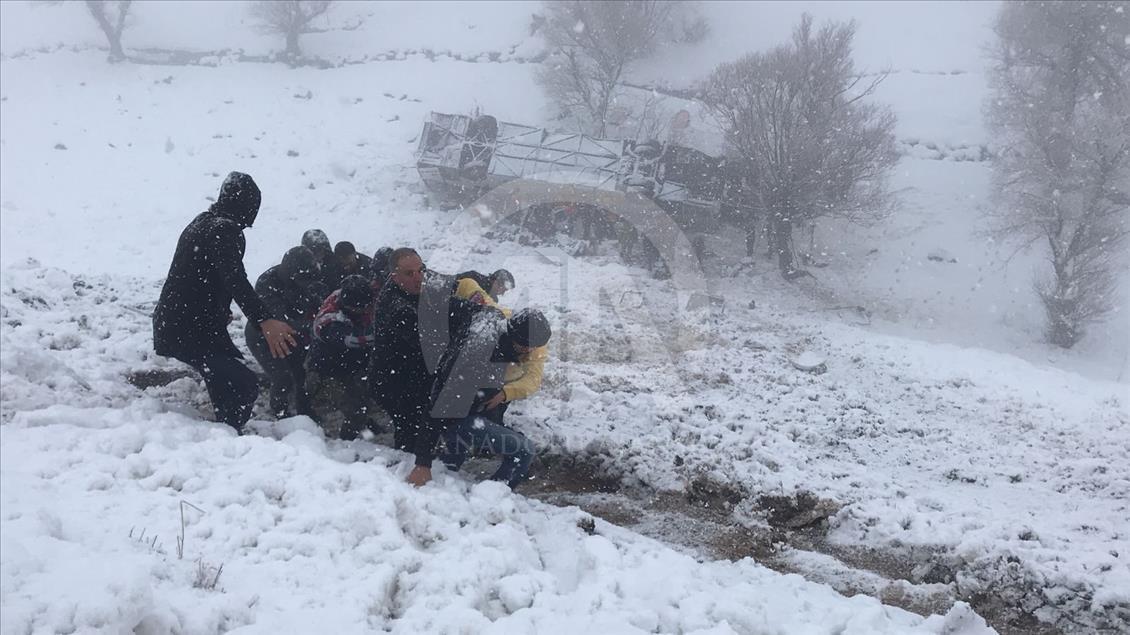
(993, 477)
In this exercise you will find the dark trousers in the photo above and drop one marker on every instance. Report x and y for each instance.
(478, 433)
(409, 428)
(287, 376)
(231, 386)
(347, 394)
(494, 415)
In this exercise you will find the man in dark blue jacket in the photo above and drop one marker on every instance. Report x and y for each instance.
(192, 315)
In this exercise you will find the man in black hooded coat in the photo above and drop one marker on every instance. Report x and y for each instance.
(193, 312)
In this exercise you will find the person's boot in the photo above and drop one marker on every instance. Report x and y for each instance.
(350, 429)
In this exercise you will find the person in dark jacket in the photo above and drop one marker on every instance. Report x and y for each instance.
(291, 290)
(471, 375)
(339, 356)
(192, 315)
(496, 284)
(349, 262)
(317, 242)
(408, 348)
(399, 377)
(380, 267)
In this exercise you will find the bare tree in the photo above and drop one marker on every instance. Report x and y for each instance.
(111, 18)
(796, 119)
(291, 18)
(1060, 110)
(591, 45)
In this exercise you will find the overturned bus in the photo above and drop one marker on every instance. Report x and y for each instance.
(460, 158)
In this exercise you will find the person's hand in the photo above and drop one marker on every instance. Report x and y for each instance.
(280, 337)
(420, 475)
(494, 402)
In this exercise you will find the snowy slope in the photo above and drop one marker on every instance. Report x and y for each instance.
(311, 541)
(1010, 473)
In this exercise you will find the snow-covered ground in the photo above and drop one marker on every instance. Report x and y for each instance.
(1000, 462)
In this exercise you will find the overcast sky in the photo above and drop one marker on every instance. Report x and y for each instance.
(925, 36)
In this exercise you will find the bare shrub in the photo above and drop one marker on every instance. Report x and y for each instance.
(797, 120)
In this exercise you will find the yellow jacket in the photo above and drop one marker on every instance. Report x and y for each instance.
(468, 289)
(524, 378)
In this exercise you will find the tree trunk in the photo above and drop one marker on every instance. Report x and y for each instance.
(116, 52)
(1062, 328)
(113, 35)
(292, 50)
(602, 116)
(1060, 305)
(781, 232)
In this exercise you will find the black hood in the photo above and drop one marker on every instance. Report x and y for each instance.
(239, 199)
(380, 263)
(316, 241)
(298, 264)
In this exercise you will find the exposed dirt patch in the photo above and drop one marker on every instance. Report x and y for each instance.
(706, 492)
(577, 475)
(700, 521)
(799, 511)
(157, 377)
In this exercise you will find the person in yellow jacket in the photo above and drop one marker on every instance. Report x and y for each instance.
(523, 378)
(496, 284)
(469, 289)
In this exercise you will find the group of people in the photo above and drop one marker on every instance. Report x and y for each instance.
(334, 329)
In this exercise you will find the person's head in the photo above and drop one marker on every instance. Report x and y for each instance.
(381, 263)
(300, 266)
(346, 255)
(317, 242)
(407, 269)
(528, 329)
(501, 281)
(356, 295)
(239, 199)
